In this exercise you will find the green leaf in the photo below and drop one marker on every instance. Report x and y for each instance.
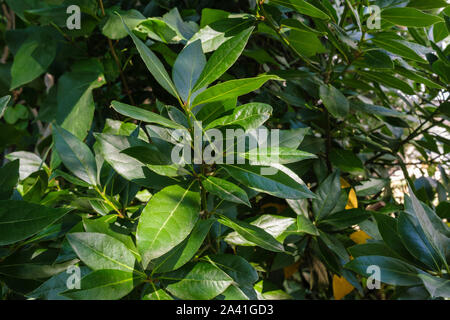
(305, 225)
(211, 15)
(242, 272)
(248, 116)
(427, 4)
(370, 187)
(187, 69)
(372, 249)
(153, 64)
(389, 81)
(51, 289)
(292, 138)
(277, 226)
(144, 115)
(409, 17)
(232, 89)
(417, 77)
(68, 177)
(4, 104)
(416, 242)
(392, 271)
(280, 184)
(253, 234)
(167, 219)
(9, 177)
(223, 58)
(335, 245)
(75, 102)
(398, 47)
(233, 293)
(376, 110)
(100, 251)
(335, 102)
(283, 155)
(305, 42)
(157, 29)
(214, 35)
(111, 147)
(113, 27)
(226, 190)
(148, 154)
(433, 228)
(108, 225)
(29, 162)
(346, 161)
(20, 220)
(328, 195)
(377, 59)
(104, 285)
(35, 55)
(75, 155)
(343, 219)
(302, 7)
(157, 294)
(211, 111)
(269, 291)
(437, 287)
(387, 226)
(182, 253)
(200, 281)
(32, 264)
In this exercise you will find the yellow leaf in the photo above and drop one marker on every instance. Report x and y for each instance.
(359, 237)
(341, 287)
(352, 202)
(290, 270)
(344, 184)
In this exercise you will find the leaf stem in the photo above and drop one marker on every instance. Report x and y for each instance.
(107, 201)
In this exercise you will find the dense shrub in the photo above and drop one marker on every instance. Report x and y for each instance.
(91, 116)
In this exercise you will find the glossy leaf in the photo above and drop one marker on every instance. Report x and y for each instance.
(222, 59)
(283, 155)
(166, 220)
(247, 116)
(302, 7)
(20, 220)
(143, 115)
(100, 251)
(226, 190)
(393, 271)
(409, 17)
(153, 64)
(104, 285)
(231, 89)
(187, 69)
(75, 155)
(201, 281)
(279, 184)
(253, 234)
(182, 253)
(335, 102)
